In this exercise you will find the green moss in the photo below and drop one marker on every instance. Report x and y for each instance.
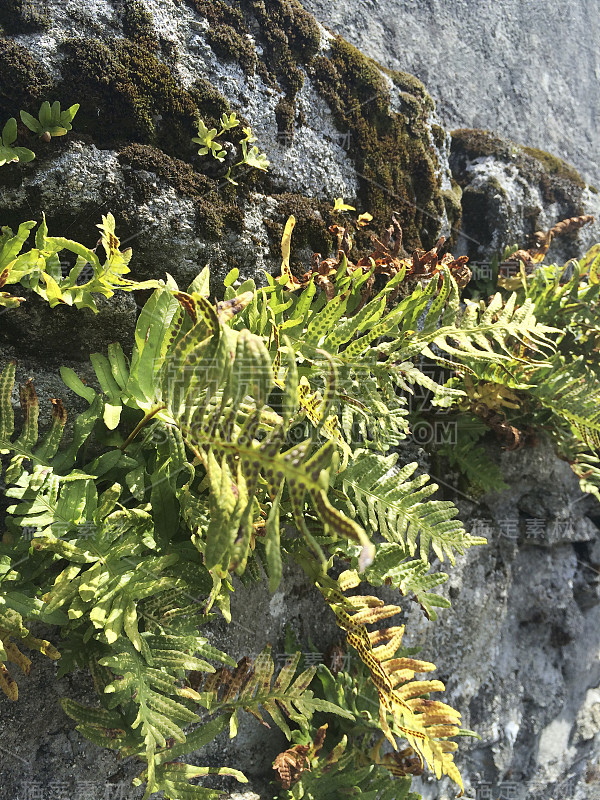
(362, 79)
(127, 92)
(277, 55)
(394, 158)
(553, 176)
(138, 23)
(477, 143)
(555, 166)
(412, 108)
(214, 217)
(288, 35)
(227, 33)
(453, 205)
(285, 113)
(300, 27)
(439, 136)
(410, 85)
(216, 208)
(327, 82)
(169, 51)
(24, 83)
(229, 45)
(23, 16)
(494, 183)
(211, 103)
(303, 32)
(474, 143)
(179, 174)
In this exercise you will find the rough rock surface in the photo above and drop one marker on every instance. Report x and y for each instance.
(509, 192)
(519, 649)
(496, 65)
(526, 682)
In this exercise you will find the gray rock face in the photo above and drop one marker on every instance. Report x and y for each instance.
(509, 192)
(519, 649)
(526, 681)
(496, 65)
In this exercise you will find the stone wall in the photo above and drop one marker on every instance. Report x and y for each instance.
(528, 71)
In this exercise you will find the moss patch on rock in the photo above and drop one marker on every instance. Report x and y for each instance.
(177, 173)
(439, 135)
(555, 166)
(288, 35)
(394, 158)
(452, 199)
(138, 24)
(130, 95)
(216, 211)
(476, 143)
(23, 16)
(409, 84)
(285, 113)
(227, 33)
(555, 177)
(211, 103)
(484, 206)
(24, 83)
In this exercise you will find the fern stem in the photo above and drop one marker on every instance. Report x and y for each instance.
(142, 423)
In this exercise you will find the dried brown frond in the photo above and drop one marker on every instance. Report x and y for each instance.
(400, 696)
(290, 764)
(513, 438)
(544, 239)
(387, 259)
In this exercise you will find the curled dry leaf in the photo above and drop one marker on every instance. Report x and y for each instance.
(290, 764)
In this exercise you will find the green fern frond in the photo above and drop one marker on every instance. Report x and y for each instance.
(386, 500)
(102, 727)
(470, 459)
(215, 388)
(339, 776)
(173, 779)
(40, 268)
(572, 393)
(392, 567)
(251, 687)
(153, 689)
(481, 333)
(586, 466)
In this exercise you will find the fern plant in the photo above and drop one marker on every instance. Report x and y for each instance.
(186, 469)
(8, 151)
(40, 269)
(211, 143)
(51, 120)
(559, 396)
